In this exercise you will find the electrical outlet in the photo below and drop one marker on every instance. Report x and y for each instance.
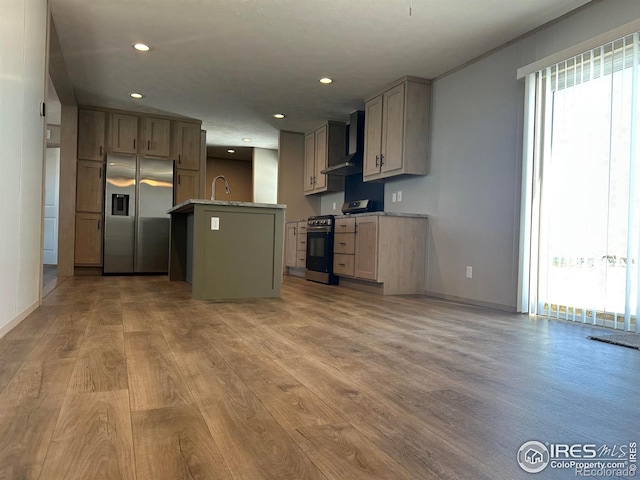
(334, 206)
(469, 272)
(215, 223)
(393, 197)
(399, 196)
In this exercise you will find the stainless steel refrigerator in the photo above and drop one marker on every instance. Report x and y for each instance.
(138, 193)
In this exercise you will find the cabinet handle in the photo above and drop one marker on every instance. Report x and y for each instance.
(294, 230)
(98, 221)
(179, 160)
(342, 264)
(101, 150)
(134, 143)
(381, 159)
(148, 144)
(100, 173)
(178, 179)
(377, 160)
(302, 242)
(342, 243)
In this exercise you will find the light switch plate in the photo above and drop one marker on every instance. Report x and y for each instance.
(399, 195)
(215, 223)
(393, 197)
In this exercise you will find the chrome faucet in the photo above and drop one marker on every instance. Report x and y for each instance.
(213, 186)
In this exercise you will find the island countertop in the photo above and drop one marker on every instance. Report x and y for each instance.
(187, 205)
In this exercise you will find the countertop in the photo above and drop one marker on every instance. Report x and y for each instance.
(384, 214)
(371, 214)
(187, 205)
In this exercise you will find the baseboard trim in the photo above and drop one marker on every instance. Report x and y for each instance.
(14, 323)
(469, 301)
(295, 272)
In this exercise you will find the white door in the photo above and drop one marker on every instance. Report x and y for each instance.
(51, 195)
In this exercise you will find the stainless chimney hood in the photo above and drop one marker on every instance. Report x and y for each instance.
(352, 163)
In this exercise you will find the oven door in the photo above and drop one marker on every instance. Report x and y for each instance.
(319, 250)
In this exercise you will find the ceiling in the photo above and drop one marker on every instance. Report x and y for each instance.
(235, 63)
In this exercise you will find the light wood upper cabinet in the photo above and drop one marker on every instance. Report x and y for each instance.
(309, 161)
(91, 135)
(155, 137)
(124, 133)
(186, 140)
(88, 244)
(186, 185)
(90, 186)
(324, 147)
(397, 130)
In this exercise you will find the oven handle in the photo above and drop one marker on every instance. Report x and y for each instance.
(318, 229)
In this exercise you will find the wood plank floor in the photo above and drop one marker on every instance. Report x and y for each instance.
(127, 377)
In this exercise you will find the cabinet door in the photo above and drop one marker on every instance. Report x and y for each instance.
(91, 128)
(186, 185)
(320, 184)
(290, 245)
(187, 142)
(88, 249)
(392, 129)
(124, 133)
(90, 186)
(309, 161)
(366, 256)
(155, 136)
(372, 136)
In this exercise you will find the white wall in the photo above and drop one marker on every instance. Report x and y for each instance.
(23, 28)
(472, 192)
(265, 175)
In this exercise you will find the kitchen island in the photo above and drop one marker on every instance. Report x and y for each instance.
(227, 250)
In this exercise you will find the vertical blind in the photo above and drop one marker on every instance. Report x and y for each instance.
(585, 242)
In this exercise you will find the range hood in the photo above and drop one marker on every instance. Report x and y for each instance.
(352, 163)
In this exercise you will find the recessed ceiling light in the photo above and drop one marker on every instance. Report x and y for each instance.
(231, 150)
(279, 115)
(325, 80)
(141, 47)
(136, 95)
(247, 139)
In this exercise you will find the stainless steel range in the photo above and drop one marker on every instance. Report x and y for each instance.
(320, 250)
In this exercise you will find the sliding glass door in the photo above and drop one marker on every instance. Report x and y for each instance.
(587, 208)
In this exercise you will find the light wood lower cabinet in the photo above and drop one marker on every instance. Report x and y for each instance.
(296, 244)
(301, 245)
(187, 185)
(88, 244)
(290, 244)
(383, 253)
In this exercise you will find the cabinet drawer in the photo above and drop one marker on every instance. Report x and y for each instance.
(301, 259)
(302, 228)
(345, 225)
(301, 243)
(343, 264)
(344, 243)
